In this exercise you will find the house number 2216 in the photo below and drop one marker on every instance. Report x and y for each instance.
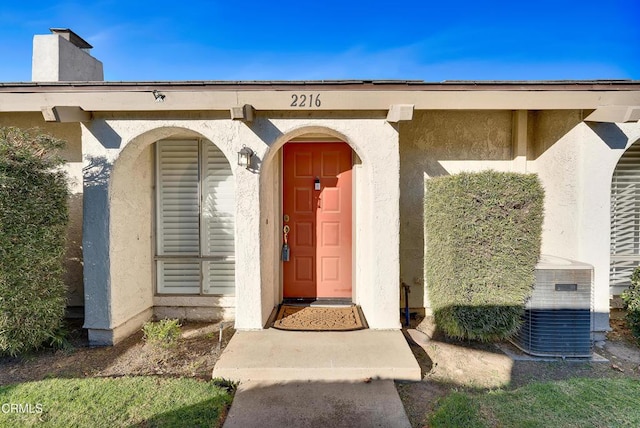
(304, 100)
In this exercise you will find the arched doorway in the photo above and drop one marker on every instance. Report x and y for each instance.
(375, 212)
(625, 219)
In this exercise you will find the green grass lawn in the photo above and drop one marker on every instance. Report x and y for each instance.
(114, 402)
(573, 403)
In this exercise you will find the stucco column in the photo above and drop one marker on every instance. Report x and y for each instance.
(248, 282)
(116, 232)
(95, 239)
(600, 156)
(594, 247)
(384, 295)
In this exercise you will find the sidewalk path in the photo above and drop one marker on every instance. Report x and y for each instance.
(317, 404)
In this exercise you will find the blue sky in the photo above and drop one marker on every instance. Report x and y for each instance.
(296, 40)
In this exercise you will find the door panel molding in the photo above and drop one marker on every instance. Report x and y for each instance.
(320, 241)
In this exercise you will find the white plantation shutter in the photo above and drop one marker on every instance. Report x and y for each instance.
(625, 219)
(195, 219)
(219, 277)
(178, 199)
(218, 203)
(218, 220)
(178, 277)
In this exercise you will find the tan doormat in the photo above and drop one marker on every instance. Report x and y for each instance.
(316, 318)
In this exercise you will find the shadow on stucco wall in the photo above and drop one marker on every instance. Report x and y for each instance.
(104, 133)
(546, 128)
(73, 256)
(96, 243)
(96, 172)
(265, 130)
(610, 133)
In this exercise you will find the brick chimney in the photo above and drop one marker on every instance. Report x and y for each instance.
(63, 56)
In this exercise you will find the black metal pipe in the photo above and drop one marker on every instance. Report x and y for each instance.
(406, 304)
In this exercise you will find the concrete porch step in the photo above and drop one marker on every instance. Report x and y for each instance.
(276, 355)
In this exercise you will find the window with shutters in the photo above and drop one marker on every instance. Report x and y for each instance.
(194, 219)
(625, 219)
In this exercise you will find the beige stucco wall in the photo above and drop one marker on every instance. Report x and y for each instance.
(575, 162)
(554, 154)
(439, 143)
(69, 132)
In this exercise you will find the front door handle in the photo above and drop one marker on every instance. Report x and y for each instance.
(286, 251)
(285, 231)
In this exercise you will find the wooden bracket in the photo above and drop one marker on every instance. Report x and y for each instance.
(400, 112)
(65, 114)
(244, 113)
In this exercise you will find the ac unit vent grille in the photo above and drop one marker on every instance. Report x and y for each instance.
(558, 318)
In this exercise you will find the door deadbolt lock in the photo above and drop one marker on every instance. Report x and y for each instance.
(286, 218)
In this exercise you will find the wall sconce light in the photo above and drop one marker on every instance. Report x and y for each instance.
(244, 157)
(158, 96)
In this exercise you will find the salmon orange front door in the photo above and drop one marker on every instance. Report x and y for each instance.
(317, 189)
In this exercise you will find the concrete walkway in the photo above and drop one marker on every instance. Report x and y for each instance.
(317, 379)
(317, 404)
(276, 355)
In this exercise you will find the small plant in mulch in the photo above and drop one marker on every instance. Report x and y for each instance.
(164, 333)
(631, 299)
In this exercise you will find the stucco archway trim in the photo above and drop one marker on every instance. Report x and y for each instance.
(120, 236)
(136, 145)
(309, 130)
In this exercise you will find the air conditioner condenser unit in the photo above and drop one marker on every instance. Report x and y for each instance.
(557, 321)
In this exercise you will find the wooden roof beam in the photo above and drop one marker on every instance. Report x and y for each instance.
(65, 114)
(400, 113)
(614, 114)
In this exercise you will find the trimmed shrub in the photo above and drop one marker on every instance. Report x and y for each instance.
(33, 218)
(482, 242)
(631, 299)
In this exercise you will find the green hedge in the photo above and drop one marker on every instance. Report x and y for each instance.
(482, 242)
(33, 217)
(631, 299)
